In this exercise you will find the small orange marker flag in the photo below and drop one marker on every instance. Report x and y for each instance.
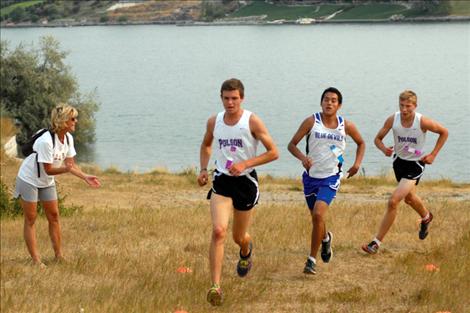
(431, 268)
(184, 269)
(181, 311)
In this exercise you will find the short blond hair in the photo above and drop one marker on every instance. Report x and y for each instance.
(60, 115)
(409, 95)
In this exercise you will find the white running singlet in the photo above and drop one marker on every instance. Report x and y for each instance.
(409, 142)
(233, 144)
(325, 147)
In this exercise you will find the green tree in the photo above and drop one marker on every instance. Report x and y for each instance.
(212, 10)
(18, 14)
(52, 12)
(34, 18)
(33, 81)
(123, 18)
(104, 18)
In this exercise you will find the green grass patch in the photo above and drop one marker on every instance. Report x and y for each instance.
(371, 11)
(277, 12)
(445, 8)
(352, 12)
(458, 7)
(24, 5)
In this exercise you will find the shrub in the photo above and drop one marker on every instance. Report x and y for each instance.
(104, 19)
(10, 207)
(122, 19)
(18, 14)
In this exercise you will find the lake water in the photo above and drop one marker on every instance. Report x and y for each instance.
(158, 85)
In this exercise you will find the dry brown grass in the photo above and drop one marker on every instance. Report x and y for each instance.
(124, 250)
(158, 10)
(7, 129)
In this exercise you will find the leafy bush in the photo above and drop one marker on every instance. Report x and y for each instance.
(212, 10)
(104, 19)
(123, 18)
(34, 18)
(18, 14)
(10, 207)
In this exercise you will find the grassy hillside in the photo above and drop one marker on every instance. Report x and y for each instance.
(125, 246)
(34, 11)
(98, 11)
(371, 11)
(457, 7)
(94, 11)
(348, 11)
(275, 12)
(24, 5)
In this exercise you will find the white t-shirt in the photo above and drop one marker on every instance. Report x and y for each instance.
(233, 144)
(46, 154)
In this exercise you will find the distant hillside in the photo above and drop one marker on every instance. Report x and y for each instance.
(82, 12)
(99, 11)
(352, 10)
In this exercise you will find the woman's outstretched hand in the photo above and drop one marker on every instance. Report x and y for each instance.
(92, 181)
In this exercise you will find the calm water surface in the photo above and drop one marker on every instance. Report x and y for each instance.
(158, 85)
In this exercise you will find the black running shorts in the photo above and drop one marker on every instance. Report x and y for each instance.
(242, 189)
(412, 170)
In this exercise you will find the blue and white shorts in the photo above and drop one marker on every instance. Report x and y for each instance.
(323, 189)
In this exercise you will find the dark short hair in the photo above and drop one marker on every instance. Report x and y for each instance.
(233, 84)
(333, 90)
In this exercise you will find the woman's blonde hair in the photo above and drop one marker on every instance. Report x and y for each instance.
(409, 95)
(60, 115)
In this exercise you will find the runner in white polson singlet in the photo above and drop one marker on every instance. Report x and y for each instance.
(409, 158)
(235, 134)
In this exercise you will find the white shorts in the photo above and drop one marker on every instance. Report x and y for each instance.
(32, 193)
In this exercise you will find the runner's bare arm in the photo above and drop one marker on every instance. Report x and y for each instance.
(428, 124)
(50, 170)
(303, 130)
(260, 132)
(388, 151)
(205, 151)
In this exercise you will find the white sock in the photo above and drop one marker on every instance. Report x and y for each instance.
(426, 217)
(378, 242)
(311, 258)
(327, 237)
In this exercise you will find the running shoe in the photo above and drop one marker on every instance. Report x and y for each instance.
(310, 267)
(371, 248)
(326, 251)
(215, 295)
(244, 264)
(423, 230)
